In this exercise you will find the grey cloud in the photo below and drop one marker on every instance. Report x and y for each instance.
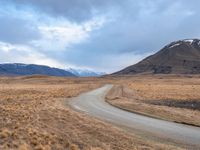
(15, 30)
(145, 33)
(138, 27)
(74, 10)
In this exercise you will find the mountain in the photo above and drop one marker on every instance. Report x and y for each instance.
(180, 57)
(17, 69)
(85, 72)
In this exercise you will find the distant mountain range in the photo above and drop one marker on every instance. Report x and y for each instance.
(17, 69)
(85, 72)
(179, 57)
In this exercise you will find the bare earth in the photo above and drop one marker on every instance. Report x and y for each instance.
(174, 98)
(33, 116)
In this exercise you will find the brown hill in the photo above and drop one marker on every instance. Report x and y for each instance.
(180, 57)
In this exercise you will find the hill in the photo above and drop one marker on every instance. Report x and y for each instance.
(17, 69)
(180, 57)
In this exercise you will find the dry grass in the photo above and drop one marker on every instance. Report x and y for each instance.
(33, 116)
(161, 97)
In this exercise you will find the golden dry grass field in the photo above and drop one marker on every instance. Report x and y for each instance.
(34, 116)
(175, 97)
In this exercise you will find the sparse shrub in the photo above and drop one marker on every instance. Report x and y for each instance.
(24, 146)
(95, 148)
(4, 133)
(40, 147)
(47, 147)
(74, 147)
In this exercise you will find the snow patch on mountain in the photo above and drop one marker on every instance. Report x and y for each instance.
(174, 45)
(189, 41)
(85, 72)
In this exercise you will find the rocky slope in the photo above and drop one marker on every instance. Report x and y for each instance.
(180, 57)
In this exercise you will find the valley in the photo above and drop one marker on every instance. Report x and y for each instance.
(35, 114)
(99, 75)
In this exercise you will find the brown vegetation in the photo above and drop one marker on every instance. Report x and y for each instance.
(175, 98)
(33, 115)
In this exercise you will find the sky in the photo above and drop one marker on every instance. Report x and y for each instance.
(101, 35)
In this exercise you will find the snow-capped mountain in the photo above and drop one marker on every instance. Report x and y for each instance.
(188, 41)
(179, 57)
(85, 72)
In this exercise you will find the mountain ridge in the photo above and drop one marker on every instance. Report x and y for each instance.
(85, 72)
(179, 57)
(20, 69)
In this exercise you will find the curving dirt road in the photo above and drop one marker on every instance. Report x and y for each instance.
(93, 103)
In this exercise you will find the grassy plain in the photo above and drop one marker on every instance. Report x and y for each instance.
(34, 116)
(170, 97)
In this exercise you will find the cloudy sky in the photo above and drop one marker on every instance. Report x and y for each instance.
(102, 35)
